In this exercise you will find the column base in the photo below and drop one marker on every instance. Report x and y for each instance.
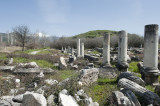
(150, 76)
(106, 65)
(123, 67)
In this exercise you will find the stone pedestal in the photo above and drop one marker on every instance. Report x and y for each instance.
(78, 47)
(122, 64)
(150, 61)
(82, 50)
(106, 49)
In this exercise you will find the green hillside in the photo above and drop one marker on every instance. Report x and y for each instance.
(94, 33)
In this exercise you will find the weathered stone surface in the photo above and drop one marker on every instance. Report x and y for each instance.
(150, 61)
(18, 98)
(78, 47)
(51, 81)
(74, 67)
(108, 72)
(9, 61)
(9, 100)
(33, 99)
(82, 50)
(17, 82)
(131, 96)
(88, 76)
(146, 97)
(106, 49)
(131, 77)
(72, 58)
(66, 100)
(33, 70)
(119, 99)
(122, 51)
(62, 63)
(28, 65)
(7, 68)
(50, 100)
(91, 58)
(40, 75)
(4, 103)
(82, 96)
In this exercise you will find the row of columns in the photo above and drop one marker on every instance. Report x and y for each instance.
(150, 70)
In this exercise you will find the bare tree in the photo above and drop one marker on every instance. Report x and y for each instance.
(21, 34)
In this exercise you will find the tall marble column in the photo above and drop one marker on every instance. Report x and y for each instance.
(82, 50)
(78, 47)
(150, 60)
(106, 49)
(122, 64)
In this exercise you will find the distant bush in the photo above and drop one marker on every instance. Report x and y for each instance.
(135, 40)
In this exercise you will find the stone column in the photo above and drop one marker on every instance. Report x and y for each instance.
(82, 50)
(62, 48)
(122, 64)
(150, 59)
(106, 49)
(12, 40)
(78, 47)
(72, 51)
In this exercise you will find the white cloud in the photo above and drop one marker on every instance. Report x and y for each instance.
(54, 11)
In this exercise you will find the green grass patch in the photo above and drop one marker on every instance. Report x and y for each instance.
(94, 52)
(3, 56)
(133, 67)
(66, 74)
(45, 52)
(149, 87)
(102, 90)
(40, 63)
(63, 74)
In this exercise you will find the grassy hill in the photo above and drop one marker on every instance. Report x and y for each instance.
(94, 33)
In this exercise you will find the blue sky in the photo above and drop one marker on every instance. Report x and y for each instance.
(71, 17)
